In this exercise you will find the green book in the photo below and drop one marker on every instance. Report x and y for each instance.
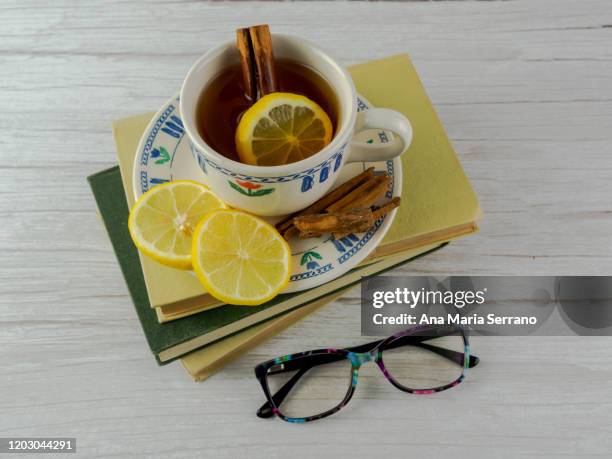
(171, 340)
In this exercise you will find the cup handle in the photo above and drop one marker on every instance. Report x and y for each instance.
(386, 119)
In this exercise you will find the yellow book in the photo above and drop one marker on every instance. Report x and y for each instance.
(438, 203)
(186, 308)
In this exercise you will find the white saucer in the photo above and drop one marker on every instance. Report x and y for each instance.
(164, 155)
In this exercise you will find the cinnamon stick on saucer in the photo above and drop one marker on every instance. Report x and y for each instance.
(381, 211)
(257, 61)
(377, 212)
(328, 199)
(348, 209)
(355, 220)
(364, 195)
(349, 190)
(342, 223)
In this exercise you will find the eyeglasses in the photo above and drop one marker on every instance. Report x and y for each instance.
(312, 385)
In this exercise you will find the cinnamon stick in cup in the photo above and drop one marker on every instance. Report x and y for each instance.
(257, 61)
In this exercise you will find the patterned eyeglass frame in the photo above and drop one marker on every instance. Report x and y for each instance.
(358, 355)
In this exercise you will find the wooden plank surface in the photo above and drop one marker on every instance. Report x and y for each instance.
(524, 89)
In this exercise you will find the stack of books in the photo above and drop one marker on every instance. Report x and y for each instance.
(178, 317)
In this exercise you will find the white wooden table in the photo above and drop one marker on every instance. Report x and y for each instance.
(525, 91)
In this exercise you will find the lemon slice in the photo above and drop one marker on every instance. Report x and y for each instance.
(282, 128)
(239, 258)
(162, 221)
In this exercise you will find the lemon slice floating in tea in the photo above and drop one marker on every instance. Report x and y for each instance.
(239, 258)
(282, 128)
(163, 220)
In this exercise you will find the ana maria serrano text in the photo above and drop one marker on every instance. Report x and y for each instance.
(457, 298)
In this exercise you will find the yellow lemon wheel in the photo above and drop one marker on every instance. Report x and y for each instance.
(163, 220)
(239, 258)
(282, 128)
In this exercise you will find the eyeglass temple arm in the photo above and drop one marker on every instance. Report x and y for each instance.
(265, 411)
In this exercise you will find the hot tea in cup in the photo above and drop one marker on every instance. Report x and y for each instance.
(271, 122)
(224, 100)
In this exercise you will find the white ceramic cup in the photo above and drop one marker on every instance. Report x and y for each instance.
(280, 190)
